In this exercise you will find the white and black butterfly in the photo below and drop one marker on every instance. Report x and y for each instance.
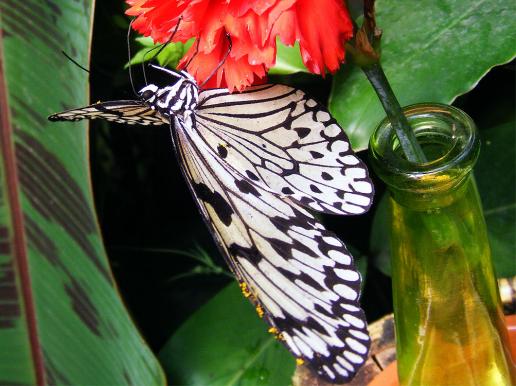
(255, 161)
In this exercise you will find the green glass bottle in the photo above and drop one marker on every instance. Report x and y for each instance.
(449, 323)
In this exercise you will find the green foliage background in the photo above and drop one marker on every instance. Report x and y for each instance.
(166, 267)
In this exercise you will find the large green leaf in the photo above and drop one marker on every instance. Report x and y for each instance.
(61, 319)
(167, 56)
(496, 178)
(288, 60)
(432, 51)
(379, 240)
(225, 343)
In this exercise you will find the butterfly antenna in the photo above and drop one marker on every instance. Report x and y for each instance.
(75, 62)
(129, 55)
(194, 54)
(160, 48)
(230, 45)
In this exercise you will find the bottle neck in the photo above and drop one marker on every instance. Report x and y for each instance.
(450, 142)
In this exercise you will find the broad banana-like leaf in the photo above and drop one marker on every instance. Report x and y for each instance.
(61, 318)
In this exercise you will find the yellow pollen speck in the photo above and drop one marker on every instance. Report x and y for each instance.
(299, 361)
(280, 336)
(272, 330)
(259, 310)
(245, 290)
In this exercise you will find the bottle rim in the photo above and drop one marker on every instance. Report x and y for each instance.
(455, 126)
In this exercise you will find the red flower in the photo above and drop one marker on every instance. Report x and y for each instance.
(320, 26)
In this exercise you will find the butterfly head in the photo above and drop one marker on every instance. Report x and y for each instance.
(172, 100)
(148, 93)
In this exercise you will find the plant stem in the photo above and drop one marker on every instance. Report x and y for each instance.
(404, 132)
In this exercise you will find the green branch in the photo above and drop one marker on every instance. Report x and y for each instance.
(404, 132)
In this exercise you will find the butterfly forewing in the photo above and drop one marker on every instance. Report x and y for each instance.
(297, 272)
(129, 112)
(278, 137)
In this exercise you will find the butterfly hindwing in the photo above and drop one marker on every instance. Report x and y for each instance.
(296, 271)
(280, 138)
(254, 162)
(125, 111)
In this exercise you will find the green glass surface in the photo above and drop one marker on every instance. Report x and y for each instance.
(449, 323)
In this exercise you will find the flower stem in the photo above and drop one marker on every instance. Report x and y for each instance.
(408, 141)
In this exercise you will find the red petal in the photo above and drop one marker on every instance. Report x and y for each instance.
(286, 28)
(321, 31)
(239, 8)
(233, 74)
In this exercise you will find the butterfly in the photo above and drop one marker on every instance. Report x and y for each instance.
(256, 163)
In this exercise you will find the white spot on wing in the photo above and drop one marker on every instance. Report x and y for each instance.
(323, 116)
(345, 291)
(311, 103)
(357, 199)
(345, 363)
(332, 130)
(358, 334)
(356, 346)
(327, 370)
(353, 357)
(347, 274)
(354, 321)
(332, 241)
(340, 370)
(350, 308)
(339, 257)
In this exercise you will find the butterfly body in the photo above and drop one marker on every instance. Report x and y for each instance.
(175, 100)
(255, 162)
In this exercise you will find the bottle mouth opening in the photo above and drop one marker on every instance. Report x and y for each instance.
(447, 136)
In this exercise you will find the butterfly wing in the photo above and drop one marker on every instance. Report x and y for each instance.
(294, 270)
(129, 112)
(280, 138)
